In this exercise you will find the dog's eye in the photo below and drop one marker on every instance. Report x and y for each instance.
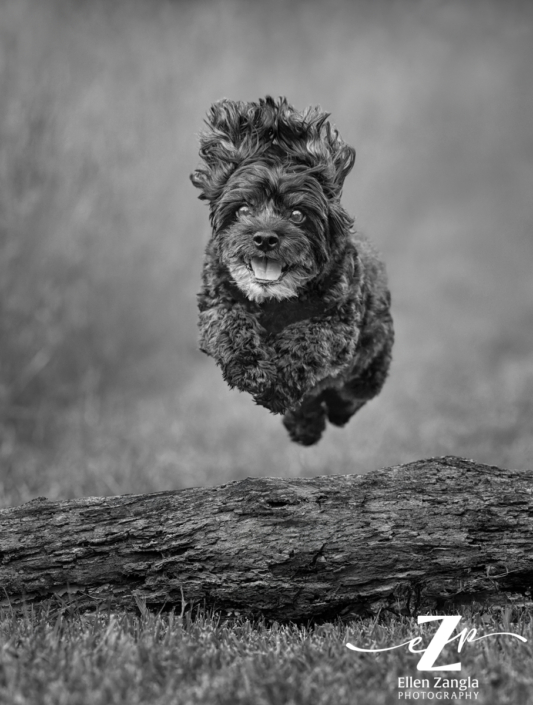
(297, 217)
(244, 210)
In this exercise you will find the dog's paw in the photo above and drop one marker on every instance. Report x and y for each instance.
(305, 426)
(249, 374)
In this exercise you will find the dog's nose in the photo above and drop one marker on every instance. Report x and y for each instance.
(266, 240)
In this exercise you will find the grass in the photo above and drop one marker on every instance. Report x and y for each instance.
(94, 659)
(102, 390)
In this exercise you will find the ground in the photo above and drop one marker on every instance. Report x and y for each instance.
(151, 659)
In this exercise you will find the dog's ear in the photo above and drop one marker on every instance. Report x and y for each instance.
(326, 147)
(227, 126)
(343, 159)
(223, 146)
(339, 221)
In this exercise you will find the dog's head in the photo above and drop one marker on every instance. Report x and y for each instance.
(273, 179)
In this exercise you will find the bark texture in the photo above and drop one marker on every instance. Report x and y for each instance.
(430, 534)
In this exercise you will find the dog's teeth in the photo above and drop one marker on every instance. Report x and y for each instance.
(266, 269)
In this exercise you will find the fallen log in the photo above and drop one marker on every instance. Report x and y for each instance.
(426, 535)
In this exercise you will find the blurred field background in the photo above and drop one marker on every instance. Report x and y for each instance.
(102, 390)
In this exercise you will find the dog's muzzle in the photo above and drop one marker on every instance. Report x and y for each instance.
(265, 268)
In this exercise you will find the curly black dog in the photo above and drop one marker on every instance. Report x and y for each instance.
(294, 305)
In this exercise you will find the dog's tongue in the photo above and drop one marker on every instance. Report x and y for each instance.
(266, 268)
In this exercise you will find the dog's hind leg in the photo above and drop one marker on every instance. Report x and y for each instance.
(343, 403)
(306, 422)
(340, 407)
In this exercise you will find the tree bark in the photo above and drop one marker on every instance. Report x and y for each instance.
(427, 535)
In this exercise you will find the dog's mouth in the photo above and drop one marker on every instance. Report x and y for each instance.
(266, 269)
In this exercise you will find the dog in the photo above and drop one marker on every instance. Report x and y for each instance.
(294, 305)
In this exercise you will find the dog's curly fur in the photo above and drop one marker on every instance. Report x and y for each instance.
(294, 305)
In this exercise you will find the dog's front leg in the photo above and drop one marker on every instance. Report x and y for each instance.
(233, 337)
(306, 353)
